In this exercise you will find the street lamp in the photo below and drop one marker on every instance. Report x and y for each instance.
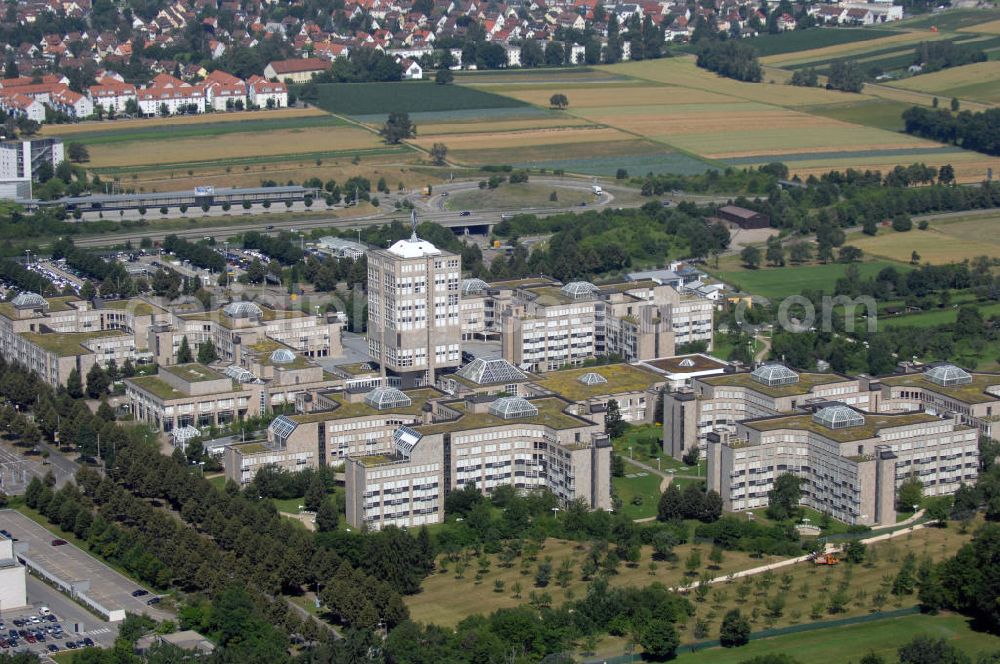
(629, 451)
(554, 512)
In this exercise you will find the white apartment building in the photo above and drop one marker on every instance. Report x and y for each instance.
(23, 159)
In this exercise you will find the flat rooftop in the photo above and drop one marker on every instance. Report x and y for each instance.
(972, 393)
(347, 410)
(673, 365)
(136, 306)
(56, 304)
(68, 344)
(550, 413)
(193, 372)
(267, 315)
(807, 381)
(622, 286)
(621, 378)
(873, 424)
(553, 295)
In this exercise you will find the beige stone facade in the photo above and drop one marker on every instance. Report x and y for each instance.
(53, 336)
(414, 299)
(850, 461)
(719, 402)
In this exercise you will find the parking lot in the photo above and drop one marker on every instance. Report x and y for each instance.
(69, 627)
(74, 566)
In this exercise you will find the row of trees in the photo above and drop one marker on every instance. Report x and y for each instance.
(979, 131)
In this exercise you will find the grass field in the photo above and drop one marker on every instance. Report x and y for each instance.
(639, 491)
(841, 645)
(979, 81)
(784, 281)
(517, 196)
(411, 96)
(946, 241)
(870, 112)
(855, 49)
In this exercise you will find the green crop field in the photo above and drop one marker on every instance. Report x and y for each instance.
(840, 645)
(872, 113)
(802, 40)
(156, 132)
(660, 163)
(785, 281)
(411, 97)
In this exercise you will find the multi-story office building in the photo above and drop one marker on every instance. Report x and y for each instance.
(483, 441)
(721, 401)
(267, 376)
(545, 326)
(244, 324)
(414, 296)
(25, 159)
(53, 336)
(944, 389)
(850, 462)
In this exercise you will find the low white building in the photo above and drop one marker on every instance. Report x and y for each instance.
(155, 100)
(260, 91)
(13, 588)
(72, 104)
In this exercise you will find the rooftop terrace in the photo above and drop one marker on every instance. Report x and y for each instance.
(193, 372)
(360, 409)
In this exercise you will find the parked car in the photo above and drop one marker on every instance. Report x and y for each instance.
(30, 638)
(152, 600)
(44, 610)
(53, 647)
(139, 593)
(71, 645)
(465, 213)
(89, 642)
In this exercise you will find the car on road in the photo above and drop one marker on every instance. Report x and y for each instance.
(58, 542)
(43, 611)
(465, 213)
(444, 193)
(139, 593)
(270, 227)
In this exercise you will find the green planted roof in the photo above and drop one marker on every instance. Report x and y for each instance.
(806, 383)
(971, 393)
(67, 344)
(620, 378)
(873, 423)
(550, 413)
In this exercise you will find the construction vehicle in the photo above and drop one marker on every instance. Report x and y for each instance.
(826, 559)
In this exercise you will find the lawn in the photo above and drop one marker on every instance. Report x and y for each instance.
(878, 113)
(840, 645)
(936, 317)
(411, 97)
(784, 281)
(979, 82)
(639, 491)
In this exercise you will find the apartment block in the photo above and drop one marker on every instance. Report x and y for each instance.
(720, 401)
(414, 326)
(24, 159)
(634, 388)
(850, 461)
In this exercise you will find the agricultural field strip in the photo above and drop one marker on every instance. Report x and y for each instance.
(983, 41)
(207, 129)
(269, 159)
(180, 120)
(811, 156)
(358, 99)
(853, 48)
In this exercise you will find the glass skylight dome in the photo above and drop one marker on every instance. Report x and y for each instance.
(239, 374)
(592, 378)
(774, 374)
(387, 397)
(282, 356)
(838, 417)
(28, 300)
(578, 289)
(487, 372)
(686, 362)
(473, 286)
(242, 309)
(947, 375)
(509, 408)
